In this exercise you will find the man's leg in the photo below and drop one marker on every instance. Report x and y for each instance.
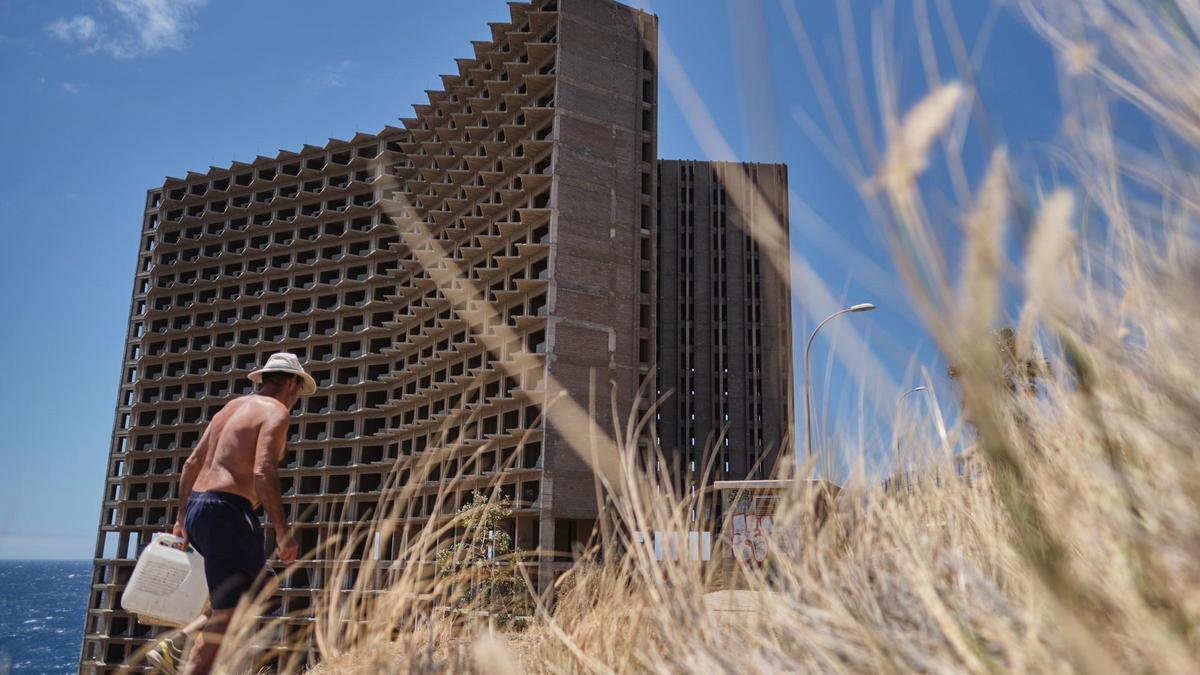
(192, 631)
(168, 655)
(204, 651)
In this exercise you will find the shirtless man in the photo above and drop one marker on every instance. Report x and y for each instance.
(231, 471)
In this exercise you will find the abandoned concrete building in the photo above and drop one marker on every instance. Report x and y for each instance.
(723, 322)
(513, 241)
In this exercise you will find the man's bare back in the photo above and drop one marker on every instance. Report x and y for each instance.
(233, 437)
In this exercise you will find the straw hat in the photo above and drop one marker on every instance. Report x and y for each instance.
(285, 362)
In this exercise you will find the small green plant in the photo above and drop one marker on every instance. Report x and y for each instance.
(483, 563)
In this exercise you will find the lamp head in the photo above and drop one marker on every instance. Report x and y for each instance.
(862, 307)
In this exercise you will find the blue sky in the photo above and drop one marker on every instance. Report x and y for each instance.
(106, 97)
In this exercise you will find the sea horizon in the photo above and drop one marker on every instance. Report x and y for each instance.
(65, 560)
(43, 604)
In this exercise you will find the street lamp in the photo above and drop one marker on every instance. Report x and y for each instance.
(861, 307)
(910, 391)
(896, 418)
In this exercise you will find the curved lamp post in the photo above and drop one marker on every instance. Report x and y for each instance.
(861, 307)
(910, 391)
(896, 416)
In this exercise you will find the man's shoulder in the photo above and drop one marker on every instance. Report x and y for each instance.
(269, 409)
(263, 409)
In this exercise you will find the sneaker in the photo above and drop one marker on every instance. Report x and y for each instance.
(166, 657)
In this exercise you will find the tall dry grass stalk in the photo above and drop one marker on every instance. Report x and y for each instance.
(1064, 536)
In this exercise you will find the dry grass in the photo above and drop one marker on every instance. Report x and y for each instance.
(1074, 541)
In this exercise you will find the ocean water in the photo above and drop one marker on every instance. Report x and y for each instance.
(42, 605)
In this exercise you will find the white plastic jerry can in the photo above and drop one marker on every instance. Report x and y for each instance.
(168, 586)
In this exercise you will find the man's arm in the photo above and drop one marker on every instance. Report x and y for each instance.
(191, 469)
(267, 455)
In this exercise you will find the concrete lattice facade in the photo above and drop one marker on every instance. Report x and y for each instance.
(442, 281)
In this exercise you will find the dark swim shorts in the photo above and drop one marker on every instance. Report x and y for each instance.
(223, 528)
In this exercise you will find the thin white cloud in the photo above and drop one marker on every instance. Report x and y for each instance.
(334, 75)
(159, 24)
(75, 29)
(70, 88)
(130, 28)
(25, 42)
